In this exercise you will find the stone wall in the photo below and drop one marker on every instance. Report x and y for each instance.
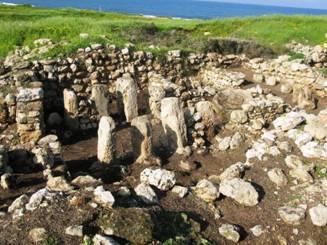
(80, 89)
(29, 114)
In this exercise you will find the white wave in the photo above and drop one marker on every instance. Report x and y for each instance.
(149, 16)
(8, 4)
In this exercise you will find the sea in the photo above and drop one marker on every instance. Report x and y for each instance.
(186, 9)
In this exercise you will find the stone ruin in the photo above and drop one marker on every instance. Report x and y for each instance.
(183, 106)
(81, 93)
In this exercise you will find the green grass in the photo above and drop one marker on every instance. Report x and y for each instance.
(21, 25)
(321, 171)
(324, 72)
(295, 56)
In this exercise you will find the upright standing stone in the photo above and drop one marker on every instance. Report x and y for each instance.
(127, 96)
(71, 109)
(142, 140)
(100, 97)
(173, 122)
(106, 140)
(70, 102)
(29, 115)
(157, 93)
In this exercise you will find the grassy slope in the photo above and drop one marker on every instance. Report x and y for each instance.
(21, 25)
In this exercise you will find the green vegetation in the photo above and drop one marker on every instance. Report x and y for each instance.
(321, 172)
(51, 239)
(295, 56)
(21, 25)
(324, 71)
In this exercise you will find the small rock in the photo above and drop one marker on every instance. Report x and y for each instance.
(19, 203)
(103, 240)
(271, 81)
(233, 171)
(288, 121)
(318, 215)
(308, 242)
(301, 173)
(187, 165)
(206, 190)
(37, 198)
(103, 197)
(75, 230)
(277, 176)
(236, 140)
(258, 124)
(286, 88)
(224, 144)
(30, 94)
(58, 183)
(257, 230)
(124, 191)
(5, 181)
(37, 235)
(180, 190)
(160, 178)
(292, 215)
(86, 180)
(230, 232)
(239, 116)
(258, 77)
(146, 193)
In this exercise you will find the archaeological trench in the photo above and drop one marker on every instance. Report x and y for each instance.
(116, 146)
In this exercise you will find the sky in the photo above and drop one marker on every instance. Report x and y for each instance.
(317, 4)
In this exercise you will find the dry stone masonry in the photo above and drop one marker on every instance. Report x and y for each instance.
(29, 115)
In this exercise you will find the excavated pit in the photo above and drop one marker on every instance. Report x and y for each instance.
(172, 220)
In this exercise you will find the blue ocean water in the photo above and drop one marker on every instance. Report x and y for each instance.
(173, 8)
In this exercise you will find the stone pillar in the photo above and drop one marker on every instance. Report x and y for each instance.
(156, 93)
(106, 140)
(126, 89)
(100, 96)
(71, 109)
(142, 140)
(29, 115)
(173, 122)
